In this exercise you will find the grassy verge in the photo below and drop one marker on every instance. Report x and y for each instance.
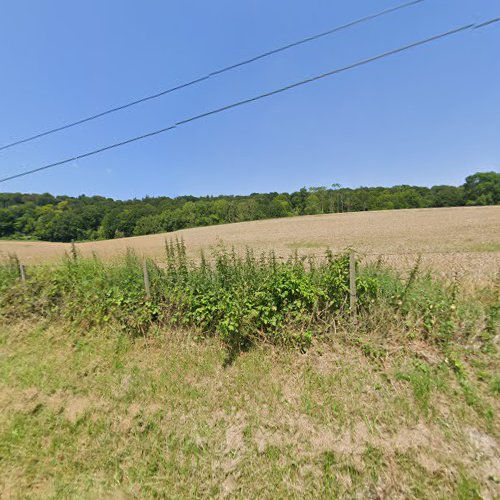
(245, 377)
(103, 414)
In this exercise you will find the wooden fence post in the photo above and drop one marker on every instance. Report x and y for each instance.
(352, 283)
(147, 285)
(22, 270)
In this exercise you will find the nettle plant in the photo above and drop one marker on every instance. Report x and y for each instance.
(244, 298)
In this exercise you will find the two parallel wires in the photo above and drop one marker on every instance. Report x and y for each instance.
(259, 97)
(216, 73)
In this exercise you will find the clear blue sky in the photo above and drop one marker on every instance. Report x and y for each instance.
(428, 116)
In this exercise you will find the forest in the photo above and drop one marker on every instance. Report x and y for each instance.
(63, 218)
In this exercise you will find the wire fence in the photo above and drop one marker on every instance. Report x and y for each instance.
(466, 266)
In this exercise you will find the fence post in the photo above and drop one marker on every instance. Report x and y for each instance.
(352, 283)
(147, 285)
(22, 270)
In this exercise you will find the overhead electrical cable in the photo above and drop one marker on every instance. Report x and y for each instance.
(254, 99)
(214, 73)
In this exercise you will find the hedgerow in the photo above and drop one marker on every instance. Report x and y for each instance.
(244, 299)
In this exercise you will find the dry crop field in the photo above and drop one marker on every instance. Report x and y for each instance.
(463, 240)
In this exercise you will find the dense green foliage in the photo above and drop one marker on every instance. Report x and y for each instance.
(242, 299)
(62, 218)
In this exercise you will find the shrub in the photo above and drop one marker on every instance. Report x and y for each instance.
(241, 298)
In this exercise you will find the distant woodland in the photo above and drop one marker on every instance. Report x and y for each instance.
(64, 218)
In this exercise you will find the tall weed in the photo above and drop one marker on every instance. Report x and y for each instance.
(244, 298)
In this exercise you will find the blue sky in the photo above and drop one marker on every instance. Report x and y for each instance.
(428, 116)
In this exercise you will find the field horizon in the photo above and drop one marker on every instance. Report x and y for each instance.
(457, 239)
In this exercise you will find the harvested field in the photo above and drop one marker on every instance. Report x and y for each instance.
(465, 240)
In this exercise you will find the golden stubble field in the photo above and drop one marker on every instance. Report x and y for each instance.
(463, 240)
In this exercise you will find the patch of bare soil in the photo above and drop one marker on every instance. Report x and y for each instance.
(486, 451)
(29, 401)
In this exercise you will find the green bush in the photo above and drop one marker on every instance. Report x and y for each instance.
(241, 298)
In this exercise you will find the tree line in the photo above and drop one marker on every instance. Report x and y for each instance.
(64, 218)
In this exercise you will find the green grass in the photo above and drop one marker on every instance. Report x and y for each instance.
(100, 413)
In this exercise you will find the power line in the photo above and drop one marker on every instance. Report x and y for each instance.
(215, 73)
(487, 23)
(251, 100)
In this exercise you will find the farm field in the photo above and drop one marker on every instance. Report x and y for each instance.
(463, 240)
(256, 377)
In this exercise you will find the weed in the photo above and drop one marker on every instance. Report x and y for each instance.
(495, 386)
(467, 488)
(244, 299)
